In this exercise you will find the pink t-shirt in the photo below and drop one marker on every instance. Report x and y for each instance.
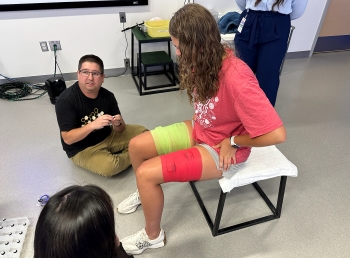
(240, 107)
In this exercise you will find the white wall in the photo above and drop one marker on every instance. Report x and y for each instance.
(98, 31)
(306, 27)
(81, 31)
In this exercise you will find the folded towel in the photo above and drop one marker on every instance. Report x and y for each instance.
(229, 23)
(263, 163)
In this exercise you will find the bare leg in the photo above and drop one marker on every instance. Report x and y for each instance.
(141, 148)
(149, 176)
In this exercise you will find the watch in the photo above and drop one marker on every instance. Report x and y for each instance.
(233, 144)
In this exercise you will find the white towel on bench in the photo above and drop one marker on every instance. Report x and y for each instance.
(263, 163)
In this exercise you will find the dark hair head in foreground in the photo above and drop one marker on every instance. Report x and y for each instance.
(78, 221)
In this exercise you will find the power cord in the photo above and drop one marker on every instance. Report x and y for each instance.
(56, 63)
(124, 52)
(16, 90)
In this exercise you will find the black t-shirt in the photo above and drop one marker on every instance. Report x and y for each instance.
(74, 109)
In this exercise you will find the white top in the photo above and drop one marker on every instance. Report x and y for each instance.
(295, 8)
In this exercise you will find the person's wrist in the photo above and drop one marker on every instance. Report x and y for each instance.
(91, 127)
(233, 144)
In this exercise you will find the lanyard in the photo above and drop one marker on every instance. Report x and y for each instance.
(241, 24)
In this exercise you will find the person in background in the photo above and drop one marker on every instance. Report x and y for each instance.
(78, 221)
(93, 132)
(262, 38)
(231, 115)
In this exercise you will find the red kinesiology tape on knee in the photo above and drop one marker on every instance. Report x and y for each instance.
(182, 166)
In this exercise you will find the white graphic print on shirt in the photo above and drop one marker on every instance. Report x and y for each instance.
(88, 119)
(205, 112)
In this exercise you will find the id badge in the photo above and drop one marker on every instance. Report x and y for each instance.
(241, 24)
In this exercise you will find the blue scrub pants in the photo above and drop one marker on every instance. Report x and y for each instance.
(262, 44)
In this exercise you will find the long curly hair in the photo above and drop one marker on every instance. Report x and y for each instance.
(277, 3)
(201, 51)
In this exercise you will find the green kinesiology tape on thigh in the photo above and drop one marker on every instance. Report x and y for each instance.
(171, 138)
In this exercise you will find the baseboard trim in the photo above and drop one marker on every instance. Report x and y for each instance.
(115, 72)
(40, 79)
(332, 43)
(300, 54)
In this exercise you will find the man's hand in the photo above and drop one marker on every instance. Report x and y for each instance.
(80, 133)
(117, 120)
(101, 122)
(227, 154)
(118, 123)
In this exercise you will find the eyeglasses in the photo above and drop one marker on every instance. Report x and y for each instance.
(86, 73)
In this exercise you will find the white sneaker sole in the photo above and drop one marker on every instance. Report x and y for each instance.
(159, 245)
(129, 211)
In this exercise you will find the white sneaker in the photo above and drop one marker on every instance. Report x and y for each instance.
(130, 204)
(139, 242)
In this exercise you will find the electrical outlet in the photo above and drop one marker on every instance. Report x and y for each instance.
(127, 62)
(122, 17)
(55, 42)
(44, 47)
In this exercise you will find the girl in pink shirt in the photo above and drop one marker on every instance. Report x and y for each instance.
(231, 115)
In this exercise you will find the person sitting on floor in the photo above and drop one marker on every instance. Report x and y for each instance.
(93, 132)
(231, 115)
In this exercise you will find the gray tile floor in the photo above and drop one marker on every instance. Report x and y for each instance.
(314, 104)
